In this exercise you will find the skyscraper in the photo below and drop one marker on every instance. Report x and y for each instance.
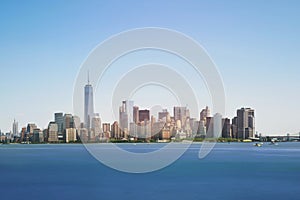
(96, 124)
(245, 123)
(164, 115)
(204, 113)
(30, 128)
(126, 114)
(52, 132)
(88, 104)
(59, 120)
(15, 128)
(144, 115)
(68, 122)
(136, 114)
(226, 131)
(181, 113)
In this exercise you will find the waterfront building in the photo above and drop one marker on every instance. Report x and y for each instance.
(52, 132)
(116, 132)
(156, 129)
(83, 134)
(71, 135)
(38, 136)
(226, 131)
(209, 127)
(165, 134)
(234, 128)
(106, 130)
(245, 123)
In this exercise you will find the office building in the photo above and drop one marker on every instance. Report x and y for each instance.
(226, 131)
(245, 123)
(88, 104)
(52, 132)
(164, 115)
(136, 114)
(15, 128)
(181, 113)
(96, 125)
(204, 114)
(71, 135)
(144, 115)
(59, 120)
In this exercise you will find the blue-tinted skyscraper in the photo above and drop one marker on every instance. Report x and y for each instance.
(88, 104)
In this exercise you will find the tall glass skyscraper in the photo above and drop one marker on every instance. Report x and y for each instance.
(88, 104)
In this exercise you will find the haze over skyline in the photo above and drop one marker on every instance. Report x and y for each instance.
(254, 44)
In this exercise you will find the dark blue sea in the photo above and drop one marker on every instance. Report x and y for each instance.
(230, 171)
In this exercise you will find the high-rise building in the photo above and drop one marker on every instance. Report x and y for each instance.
(71, 135)
(30, 128)
(59, 120)
(96, 124)
(126, 114)
(226, 131)
(106, 127)
(234, 127)
(88, 104)
(164, 115)
(209, 127)
(245, 123)
(181, 113)
(136, 114)
(15, 128)
(144, 115)
(68, 122)
(116, 132)
(52, 132)
(123, 116)
(38, 136)
(204, 113)
(77, 122)
(24, 135)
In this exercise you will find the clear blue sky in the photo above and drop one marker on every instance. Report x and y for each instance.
(255, 44)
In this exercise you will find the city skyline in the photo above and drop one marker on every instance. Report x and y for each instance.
(254, 44)
(136, 124)
(69, 128)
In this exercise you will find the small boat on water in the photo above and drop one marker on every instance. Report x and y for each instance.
(273, 142)
(258, 144)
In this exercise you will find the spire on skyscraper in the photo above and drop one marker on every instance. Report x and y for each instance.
(88, 76)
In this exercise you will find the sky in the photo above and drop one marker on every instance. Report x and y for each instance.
(255, 45)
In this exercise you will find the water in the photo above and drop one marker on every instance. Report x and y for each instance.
(231, 171)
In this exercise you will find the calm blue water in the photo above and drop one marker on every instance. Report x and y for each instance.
(231, 171)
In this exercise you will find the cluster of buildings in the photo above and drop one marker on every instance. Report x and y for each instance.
(140, 124)
(135, 124)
